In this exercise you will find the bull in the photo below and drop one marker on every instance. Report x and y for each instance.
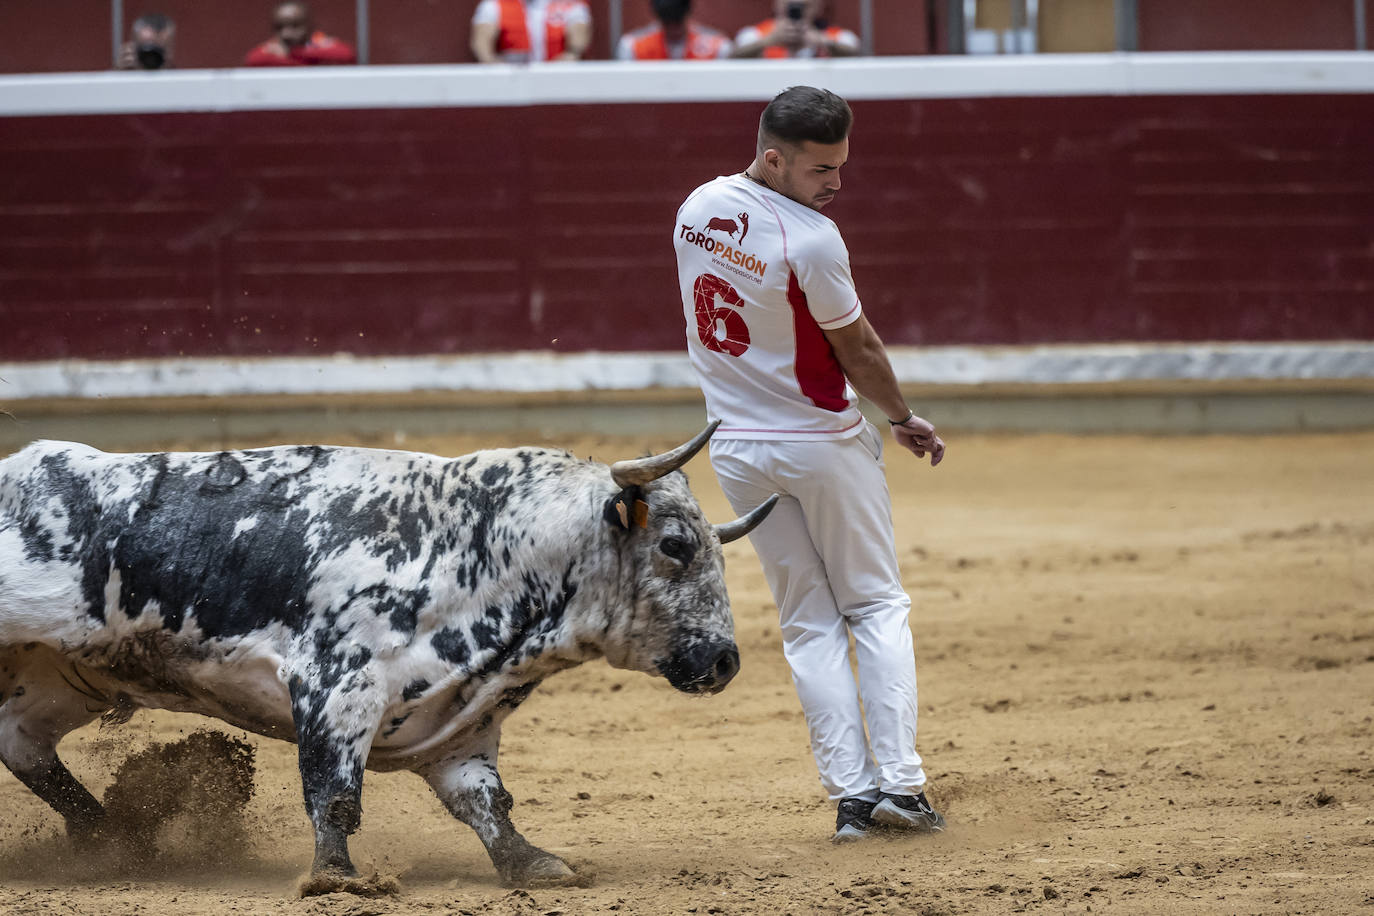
(382, 609)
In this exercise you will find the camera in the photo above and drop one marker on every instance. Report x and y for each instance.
(795, 10)
(150, 56)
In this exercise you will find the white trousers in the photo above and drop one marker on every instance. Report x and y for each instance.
(829, 556)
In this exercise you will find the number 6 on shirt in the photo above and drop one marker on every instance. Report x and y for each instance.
(720, 327)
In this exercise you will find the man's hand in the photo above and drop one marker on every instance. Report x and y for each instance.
(918, 436)
(790, 33)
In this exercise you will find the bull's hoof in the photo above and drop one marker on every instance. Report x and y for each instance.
(334, 881)
(543, 870)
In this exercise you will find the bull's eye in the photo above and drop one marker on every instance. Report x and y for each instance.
(678, 549)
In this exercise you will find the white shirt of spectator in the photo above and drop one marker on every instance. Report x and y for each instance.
(761, 276)
(488, 12)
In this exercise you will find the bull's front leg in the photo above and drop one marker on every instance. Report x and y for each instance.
(335, 725)
(471, 789)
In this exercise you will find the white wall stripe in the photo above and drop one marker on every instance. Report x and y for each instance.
(601, 82)
(538, 372)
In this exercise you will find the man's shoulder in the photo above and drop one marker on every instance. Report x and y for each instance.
(642, 32)
(705, 31)
(843, 36)
(569, 7)
(808, 231)
(805, 218)
(752, 33)
(721, 184)
(267, 52)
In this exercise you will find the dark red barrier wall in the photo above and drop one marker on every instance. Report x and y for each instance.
(991, 221)
(1247, 25)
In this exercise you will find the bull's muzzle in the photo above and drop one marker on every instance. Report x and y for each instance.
(705, 668)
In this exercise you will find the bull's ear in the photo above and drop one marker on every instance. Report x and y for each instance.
(627, 508)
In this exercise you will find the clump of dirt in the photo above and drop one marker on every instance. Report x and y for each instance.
(182, 802)
(373, 885)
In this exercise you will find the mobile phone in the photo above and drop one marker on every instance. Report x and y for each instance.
(795, 10)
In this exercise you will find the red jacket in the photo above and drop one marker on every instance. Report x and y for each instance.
(648, 43)
(513, 38)
(320, 49)
(765, 28)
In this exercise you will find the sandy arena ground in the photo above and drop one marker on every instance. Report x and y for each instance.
(1147, 686)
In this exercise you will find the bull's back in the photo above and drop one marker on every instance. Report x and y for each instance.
(228, 539)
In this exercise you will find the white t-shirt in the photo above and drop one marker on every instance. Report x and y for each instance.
(537, 13)
(761, 276)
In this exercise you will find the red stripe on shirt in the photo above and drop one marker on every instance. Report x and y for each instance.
(818, 371)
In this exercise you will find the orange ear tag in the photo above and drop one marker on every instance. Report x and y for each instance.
(641, 513)
(623, 513)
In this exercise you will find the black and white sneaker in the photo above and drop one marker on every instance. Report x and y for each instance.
(907, 812)
(853, 820)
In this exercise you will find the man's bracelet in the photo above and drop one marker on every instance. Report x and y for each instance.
(909, 415)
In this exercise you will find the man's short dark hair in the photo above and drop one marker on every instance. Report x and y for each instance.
(804, 113)
(671, 11)
(157, 22)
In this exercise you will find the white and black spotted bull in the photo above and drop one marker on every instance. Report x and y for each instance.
(382, 609)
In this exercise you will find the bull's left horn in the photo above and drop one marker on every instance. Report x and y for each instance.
(733, 531)
(639, 471)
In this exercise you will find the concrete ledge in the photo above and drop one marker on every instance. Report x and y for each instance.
(209, 422)
(1153, 389)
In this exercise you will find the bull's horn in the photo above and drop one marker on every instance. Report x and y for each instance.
(733, 531)
(639, 471)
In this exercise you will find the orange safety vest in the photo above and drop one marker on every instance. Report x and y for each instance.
(514, 34)
(765, 28)
(701, 45)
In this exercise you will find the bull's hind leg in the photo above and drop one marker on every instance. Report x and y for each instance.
(38, 705)
(471, 789)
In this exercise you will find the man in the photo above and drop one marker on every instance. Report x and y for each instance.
(520, 31)
(796, 30)
(779, 341)
(673, 37)
(296, 43)
(151, 45)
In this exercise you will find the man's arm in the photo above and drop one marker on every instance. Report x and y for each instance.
(483, 42)
(128, 57)
(864, 360)
(329, 50)
(271, 53)
(576, 39)
(844, 44)
(750, 43)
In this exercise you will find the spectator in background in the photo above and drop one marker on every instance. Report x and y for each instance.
(152, 39)
(673, 37)
(520, 31)
(296, 43)
(797, 29)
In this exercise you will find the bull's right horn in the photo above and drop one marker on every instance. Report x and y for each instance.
(639, 471)
(733, 531)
